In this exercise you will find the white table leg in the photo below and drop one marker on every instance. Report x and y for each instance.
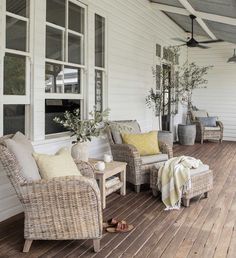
(102, 187)
(123, 180)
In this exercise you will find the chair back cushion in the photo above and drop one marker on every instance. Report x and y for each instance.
(60, 164)
(145, 143)
(198, 113)
(22, 150)
(119, 127)
(209, 121)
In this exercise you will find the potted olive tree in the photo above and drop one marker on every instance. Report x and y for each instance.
(191, 77)
(83, 129)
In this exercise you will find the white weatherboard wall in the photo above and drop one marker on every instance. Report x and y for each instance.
(133, 29)
(219, 98)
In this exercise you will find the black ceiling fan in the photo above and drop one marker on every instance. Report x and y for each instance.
(192, 42)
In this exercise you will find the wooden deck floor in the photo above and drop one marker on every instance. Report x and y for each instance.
(206, 229)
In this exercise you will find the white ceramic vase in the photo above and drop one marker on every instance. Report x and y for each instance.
(80, 151)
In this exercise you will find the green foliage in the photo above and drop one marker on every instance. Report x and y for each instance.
(84, 130)
(14, 75)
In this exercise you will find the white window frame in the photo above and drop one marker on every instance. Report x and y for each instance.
(17, 99)
(83, 67)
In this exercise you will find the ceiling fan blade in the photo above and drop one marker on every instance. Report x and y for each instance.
(211, 41)
(179, 39)
(201, 46)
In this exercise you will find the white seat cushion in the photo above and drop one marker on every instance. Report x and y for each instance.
(154, 158)
(215, 128)
(201, 169)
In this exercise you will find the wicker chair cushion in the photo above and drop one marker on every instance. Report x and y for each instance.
(201, 169)
(216, 128)
(22, 150)
(123, 127)
(209, 121)
(199, 113)
(60, 164)
(154, 158)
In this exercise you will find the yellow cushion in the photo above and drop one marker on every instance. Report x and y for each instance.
(60, 164)
(145, 143)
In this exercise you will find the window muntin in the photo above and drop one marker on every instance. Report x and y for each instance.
(13, 119)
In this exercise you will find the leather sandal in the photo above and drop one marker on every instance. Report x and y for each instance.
(110, 223)
(121, 227)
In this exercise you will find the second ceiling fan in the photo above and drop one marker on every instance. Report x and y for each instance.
(192, 42)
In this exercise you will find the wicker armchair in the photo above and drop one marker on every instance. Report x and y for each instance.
(206, 133)
(57, 209)
(138, 167)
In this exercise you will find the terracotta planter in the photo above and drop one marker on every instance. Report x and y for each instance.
(80, 151)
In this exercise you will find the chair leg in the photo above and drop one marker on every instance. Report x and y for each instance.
(154, 192)
(27, 245)
(96, 245)
(137, 188)
(186, 202)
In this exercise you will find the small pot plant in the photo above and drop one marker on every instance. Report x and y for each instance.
(83, 129)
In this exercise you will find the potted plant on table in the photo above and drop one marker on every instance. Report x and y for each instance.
(191, 77)
(83, 130)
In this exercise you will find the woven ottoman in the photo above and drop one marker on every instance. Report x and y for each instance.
(201, 179)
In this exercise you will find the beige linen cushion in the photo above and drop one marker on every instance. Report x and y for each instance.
(199, 113)
(22, 149)
(58, 165)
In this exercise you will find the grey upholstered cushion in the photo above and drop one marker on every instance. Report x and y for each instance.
(202, 168)
(123, 127)
(199, 113)
(22, 149)
(209, 121)
(154, 158)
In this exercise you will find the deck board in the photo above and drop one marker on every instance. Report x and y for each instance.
(206, 229)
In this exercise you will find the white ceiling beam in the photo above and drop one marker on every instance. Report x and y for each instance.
(202, 15)
(189, 8)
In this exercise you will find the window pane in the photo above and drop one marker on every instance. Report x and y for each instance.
(56, 108)
(99, 41)
(76, 18)
(13, 119)
(71, 80)
(20, 7)
(74, 49)
(56, 12)
(53, 78)
(54, 44)
(98, 90)
(14, 75)
(16, 35)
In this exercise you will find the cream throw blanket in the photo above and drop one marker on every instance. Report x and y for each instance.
(174, 179)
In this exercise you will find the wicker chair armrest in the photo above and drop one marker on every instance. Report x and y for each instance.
(59, 189)
(220, 124)
(199, 126)
(166, 148)
(85, 168)
(125, 150)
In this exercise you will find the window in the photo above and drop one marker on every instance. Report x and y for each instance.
(56, 108)
(16, 72)
(65, 57)
(99, 61)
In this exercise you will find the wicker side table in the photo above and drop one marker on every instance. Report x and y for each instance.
(201, 182)
(113, 168)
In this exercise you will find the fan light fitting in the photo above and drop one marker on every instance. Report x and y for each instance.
(233, 58)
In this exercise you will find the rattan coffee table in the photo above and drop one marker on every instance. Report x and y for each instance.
(114, 168)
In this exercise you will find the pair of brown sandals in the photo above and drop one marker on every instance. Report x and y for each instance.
(117, 226)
